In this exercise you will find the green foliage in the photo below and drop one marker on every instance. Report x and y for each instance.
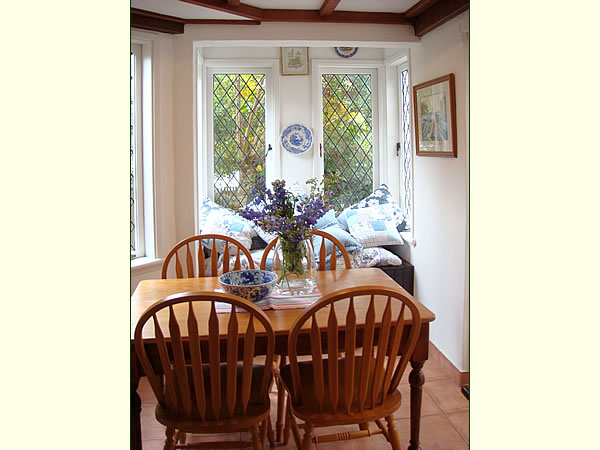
(239, 135)
(348, 136)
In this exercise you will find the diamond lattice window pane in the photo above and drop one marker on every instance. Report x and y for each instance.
(348, 134)
(239, 136)
(406, 149)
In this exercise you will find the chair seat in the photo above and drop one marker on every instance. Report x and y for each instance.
(256, 411)
(309, 409)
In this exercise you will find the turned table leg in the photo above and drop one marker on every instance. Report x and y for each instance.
(416, 379)
(136, 409)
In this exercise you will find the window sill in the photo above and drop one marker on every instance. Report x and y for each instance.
(145, 264)
(409, 238)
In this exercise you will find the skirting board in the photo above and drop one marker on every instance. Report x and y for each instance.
(458, 377)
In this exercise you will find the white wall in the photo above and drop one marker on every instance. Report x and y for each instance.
(441, 201)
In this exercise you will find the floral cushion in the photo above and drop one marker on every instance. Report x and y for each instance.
(380, 198)
(216, 219)
(373, 227)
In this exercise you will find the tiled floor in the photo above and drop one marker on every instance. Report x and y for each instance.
(444, 419)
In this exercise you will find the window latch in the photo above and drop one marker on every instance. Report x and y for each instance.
(321, 150)
(268, 150)
(397, 148)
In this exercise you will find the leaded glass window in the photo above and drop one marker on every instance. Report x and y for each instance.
(348, 134)
(238, 136)
(406, 145)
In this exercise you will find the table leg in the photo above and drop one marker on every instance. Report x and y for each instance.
(416, 379)
(136, 409)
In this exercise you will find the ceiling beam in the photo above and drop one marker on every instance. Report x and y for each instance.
(222, 22)
(327, 7)
(233, 2)
(438, 14)
(419, 7)
(304, 15)
(250, 12)
(146, 20)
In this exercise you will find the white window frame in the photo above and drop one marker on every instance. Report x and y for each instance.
(377, 72)
(138, 145)
(145, 153)
(400, 62)
(206, 69)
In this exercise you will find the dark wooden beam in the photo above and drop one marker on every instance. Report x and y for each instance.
(233, 2)
(438, 14)
(222, 22)
(304, 15)
(250, 12)
(327, 7)
(419, 7)
(153, 22)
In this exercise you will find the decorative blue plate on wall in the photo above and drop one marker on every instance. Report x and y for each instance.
(296, 139)
(346, 52)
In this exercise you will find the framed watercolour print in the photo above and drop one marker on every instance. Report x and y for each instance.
(294, 61)
(435, 117)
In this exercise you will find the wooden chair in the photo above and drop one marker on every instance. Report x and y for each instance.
(337, 245)
(201, 386)
(353, 389)
(322, 266)
(192, 250)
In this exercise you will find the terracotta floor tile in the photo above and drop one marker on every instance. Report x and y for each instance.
(153, 444)
(437, 433)
(151, 428)
(460, 421)
(145, 391)
(433, 371)
(428, 406)
(447, 395)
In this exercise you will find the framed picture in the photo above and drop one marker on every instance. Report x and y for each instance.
(294, 61)
(435, 117)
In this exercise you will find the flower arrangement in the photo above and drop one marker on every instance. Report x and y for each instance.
(291, 217)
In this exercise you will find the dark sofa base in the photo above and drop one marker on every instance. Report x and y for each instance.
(404, 275)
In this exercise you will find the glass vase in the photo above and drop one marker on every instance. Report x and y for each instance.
(294, 264)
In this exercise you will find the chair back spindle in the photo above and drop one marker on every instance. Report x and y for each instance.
(324, 236)
(191, 250)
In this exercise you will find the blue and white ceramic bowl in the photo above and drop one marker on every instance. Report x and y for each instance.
(251, 284)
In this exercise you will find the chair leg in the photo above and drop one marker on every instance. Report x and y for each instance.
(256, 445)
(170, 440)
(393, 436)
(291, 423)
(270, 434)
(363, 426)
(280, 403)
(182, 438)
(307, 441)
(263, 432)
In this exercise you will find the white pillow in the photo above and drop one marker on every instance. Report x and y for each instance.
(373, 227)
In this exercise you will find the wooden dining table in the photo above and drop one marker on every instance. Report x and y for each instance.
(150, 291)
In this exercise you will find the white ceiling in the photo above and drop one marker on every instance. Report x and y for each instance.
(184, 10)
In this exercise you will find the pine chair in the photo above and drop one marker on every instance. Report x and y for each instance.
(192, 250)
(354, 389)
(322, 266)
(337, 245)
(197, 392)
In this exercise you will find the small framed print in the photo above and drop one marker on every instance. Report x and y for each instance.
(435, 117)
(294, 61)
